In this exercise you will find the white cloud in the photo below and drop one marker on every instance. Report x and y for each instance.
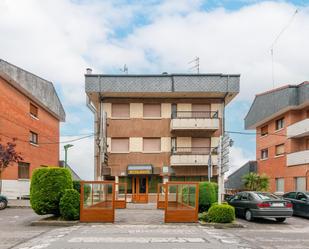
(80, 156)
(238, 158)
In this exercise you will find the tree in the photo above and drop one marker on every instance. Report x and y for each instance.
(256, 182)
(8, 156)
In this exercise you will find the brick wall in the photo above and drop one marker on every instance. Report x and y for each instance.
(15, 121)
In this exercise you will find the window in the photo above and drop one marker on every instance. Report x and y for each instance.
(200, 145)
(23, 170)
(152, 110)
(121, 110)
(151, 144)
(34, 110)
(201, 110)
(264, 154)
(120, 145)
(279, 184)
(301, 196)
(279, 149)
(300, 184)
(279, 123)
(291, 195)
(34, 138)
(264, 130)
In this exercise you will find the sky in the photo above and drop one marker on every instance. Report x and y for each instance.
(59, 39)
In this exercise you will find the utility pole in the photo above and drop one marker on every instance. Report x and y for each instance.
(223, 162)
(66, 147)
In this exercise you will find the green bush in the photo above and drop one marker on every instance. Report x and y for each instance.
(47, 187)
(69, 205)
(221, 213)
(207, 195)
(87, 188)
(203, 216)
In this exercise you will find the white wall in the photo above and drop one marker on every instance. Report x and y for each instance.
(15, 188)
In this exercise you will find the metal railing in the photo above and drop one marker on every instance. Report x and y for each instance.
(195, 114)
(194, 150)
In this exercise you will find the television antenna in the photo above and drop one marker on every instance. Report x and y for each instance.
(125, 69)
(275, 42)
(196, 65)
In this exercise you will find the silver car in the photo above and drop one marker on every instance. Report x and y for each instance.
(250, 204)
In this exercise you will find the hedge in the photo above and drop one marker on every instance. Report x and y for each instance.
(223, 213)
(47, 187)
(87, 188)
(207, 195)
(69, 205)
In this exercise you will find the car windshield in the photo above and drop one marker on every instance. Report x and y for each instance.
(266, 196)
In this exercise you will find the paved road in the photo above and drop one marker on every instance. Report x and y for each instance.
(127, 233)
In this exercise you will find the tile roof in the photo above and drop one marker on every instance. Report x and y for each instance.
(36, 88)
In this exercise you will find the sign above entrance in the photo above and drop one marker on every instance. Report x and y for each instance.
(145, 169)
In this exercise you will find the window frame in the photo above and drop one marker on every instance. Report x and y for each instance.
(281, 154)
(19, 172)
(279, 121)
(152, 151)
(120, 117)
(264, 158)
(32, 135)
(262, 128)
(152, 117)
(31, 107)
(276, 182)
(120, 151)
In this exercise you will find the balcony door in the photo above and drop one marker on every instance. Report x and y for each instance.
(200, 145)
(140, 189)
(200, 110)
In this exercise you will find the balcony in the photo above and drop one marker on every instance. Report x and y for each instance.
(193, 120)
(297, 158)
(193, 156)
(299, 129)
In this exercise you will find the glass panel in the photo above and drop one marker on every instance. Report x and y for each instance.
(142, 185)
(181, 196)
(98, 195)
(153, 182)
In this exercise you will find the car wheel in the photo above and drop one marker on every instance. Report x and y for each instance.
(280, 219)
(3, 204)
(248, 215)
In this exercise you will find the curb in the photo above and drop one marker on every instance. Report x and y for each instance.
(222, 225)
(59, 223)
(16, 206)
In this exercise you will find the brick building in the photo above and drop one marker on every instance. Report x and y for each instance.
(155, 128)
(30, 113)
(281, 120)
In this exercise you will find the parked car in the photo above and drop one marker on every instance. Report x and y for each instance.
(3, 202)
(250, 204)
(300, 201)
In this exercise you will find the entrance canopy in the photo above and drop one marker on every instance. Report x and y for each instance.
(144, 169)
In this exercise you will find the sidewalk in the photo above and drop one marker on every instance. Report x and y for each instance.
(14, 203)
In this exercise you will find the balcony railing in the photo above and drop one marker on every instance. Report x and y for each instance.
(195, 114)
(194, 150)
(299, 129)
(298, 158)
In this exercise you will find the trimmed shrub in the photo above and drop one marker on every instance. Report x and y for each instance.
(203, 216)
(223, 213)
(69, 205)
(87, 188)
(207, 195)
(47, 187)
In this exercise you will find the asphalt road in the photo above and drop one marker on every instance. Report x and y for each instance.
(16, 233)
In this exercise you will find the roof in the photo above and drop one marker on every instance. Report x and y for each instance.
(168, 84)
(37, 89)
(270, 104)
(235, 181)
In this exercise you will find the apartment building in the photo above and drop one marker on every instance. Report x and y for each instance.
(30, 114)
(281, 120)
(157, 128)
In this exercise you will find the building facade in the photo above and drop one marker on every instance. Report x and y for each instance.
(30, 116)
(157, 128)
(281, 120)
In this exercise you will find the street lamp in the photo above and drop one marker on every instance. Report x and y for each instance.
(66, 147)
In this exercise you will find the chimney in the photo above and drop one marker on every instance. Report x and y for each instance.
(88, 70)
